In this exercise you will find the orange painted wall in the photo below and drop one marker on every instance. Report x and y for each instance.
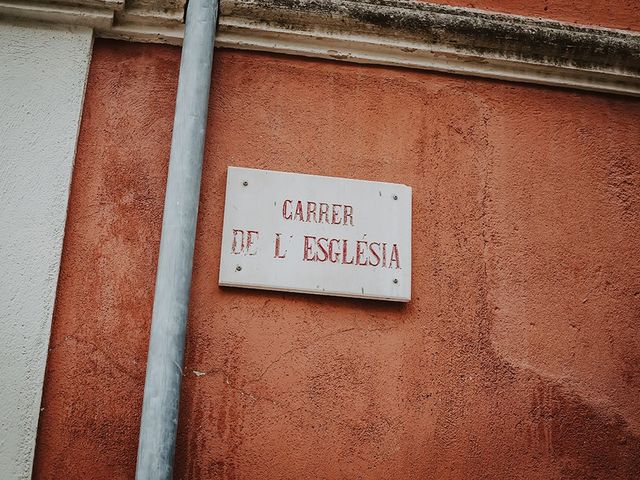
(605, 13)
(516, 359)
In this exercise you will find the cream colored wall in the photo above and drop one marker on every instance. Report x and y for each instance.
(42, 81)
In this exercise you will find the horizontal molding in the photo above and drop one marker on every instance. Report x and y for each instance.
(436, 37)
(110, 4)
(404, 34)
(102, 15)
(87, 16)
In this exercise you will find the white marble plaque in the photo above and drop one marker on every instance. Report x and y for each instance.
(313, 234)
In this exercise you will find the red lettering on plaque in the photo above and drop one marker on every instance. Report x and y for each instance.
(277, 253)
(308, 247)
(394, 256)
(344, 254)
(286, 214)
(348, 214)
(374, 252)
(323, 246)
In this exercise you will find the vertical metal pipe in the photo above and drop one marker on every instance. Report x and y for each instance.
(159, 422)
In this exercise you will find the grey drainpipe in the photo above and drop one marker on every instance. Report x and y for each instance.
(173, 282)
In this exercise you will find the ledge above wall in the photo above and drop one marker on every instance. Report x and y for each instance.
(387, 32)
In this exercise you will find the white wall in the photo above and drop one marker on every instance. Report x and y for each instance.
(43, 72)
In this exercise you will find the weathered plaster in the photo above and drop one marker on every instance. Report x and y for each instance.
(517, 357)
(405, 33)
(42, 82)
(438, 37)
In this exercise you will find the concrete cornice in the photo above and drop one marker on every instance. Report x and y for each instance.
(136, 20)
(388, 32)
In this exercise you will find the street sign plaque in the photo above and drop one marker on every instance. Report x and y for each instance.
(314, 234)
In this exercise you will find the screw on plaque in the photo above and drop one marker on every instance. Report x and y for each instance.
(395, 280)
(238, 268)
(395, 197)
(245, 183)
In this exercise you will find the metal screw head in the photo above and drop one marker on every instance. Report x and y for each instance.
(238, 268)
(395, 280)
(395, 197)
(245, 183)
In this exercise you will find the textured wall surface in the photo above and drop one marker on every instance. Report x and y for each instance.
(517, 357)
(42, 79)
(605, 13)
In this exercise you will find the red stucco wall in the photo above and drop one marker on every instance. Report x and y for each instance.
(605, 13)
(516, 359)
